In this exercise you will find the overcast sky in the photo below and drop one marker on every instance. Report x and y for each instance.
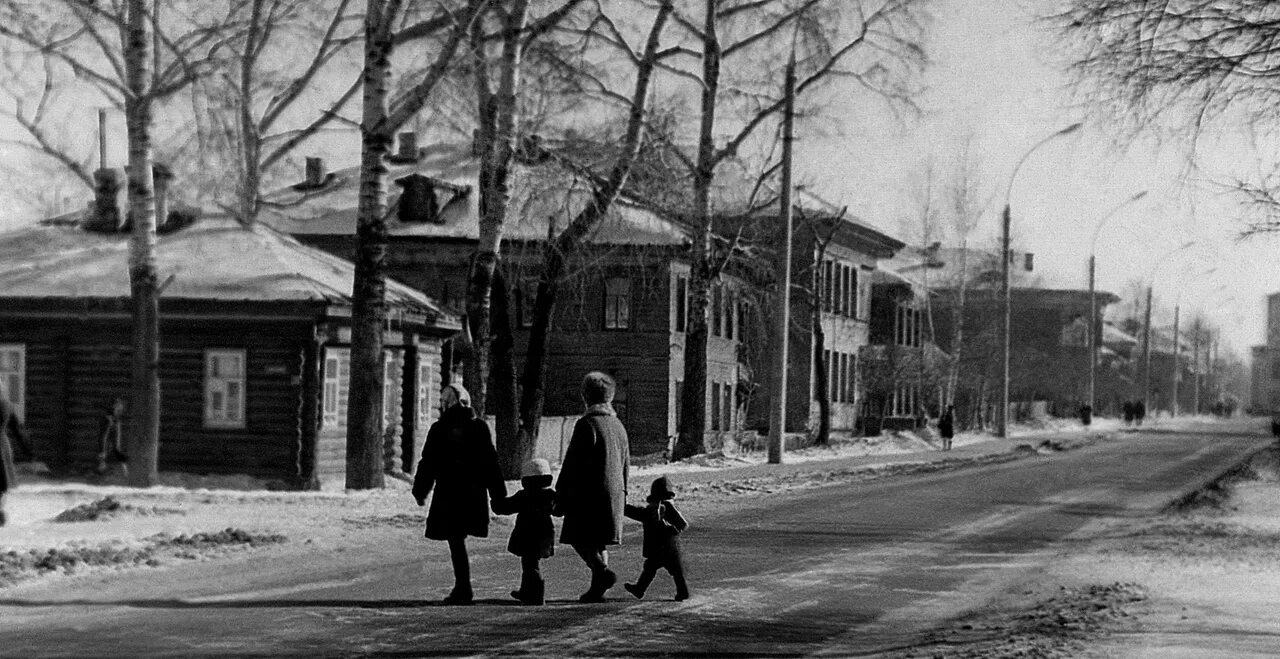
(992, 77)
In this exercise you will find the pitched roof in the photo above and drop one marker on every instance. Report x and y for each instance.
(544, 199)
(214, 259)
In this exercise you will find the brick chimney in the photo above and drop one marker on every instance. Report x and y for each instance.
(408, 148)
(106, 204)
(315, 172)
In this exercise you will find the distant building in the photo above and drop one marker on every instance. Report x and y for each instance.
(1260, 380)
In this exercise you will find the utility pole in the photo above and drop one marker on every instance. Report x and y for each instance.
(1002, 427)
(1195, 366)
(1177, 367)
(778, 415)
(1093, 339)
(1146, 355)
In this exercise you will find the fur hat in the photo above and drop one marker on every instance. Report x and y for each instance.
(661, 490)
(536, 467)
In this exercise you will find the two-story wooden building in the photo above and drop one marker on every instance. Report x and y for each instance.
(622, 307)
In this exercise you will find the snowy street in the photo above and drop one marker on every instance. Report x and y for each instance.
(842, 565)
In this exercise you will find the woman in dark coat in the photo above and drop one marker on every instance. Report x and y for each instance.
(592, 488)
(947, 426)
(459, 461)
(534, 535)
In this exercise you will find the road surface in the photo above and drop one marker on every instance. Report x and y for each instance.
(842, 570)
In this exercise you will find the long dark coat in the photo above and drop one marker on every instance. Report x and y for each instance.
(592, 487)
(10, 428)
(460, 462)
(663, 525)
(534, 533)
(947, 425)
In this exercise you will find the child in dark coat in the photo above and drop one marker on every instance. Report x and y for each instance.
(534, 535)
(663, 525)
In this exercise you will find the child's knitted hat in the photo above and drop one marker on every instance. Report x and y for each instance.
(536, 467)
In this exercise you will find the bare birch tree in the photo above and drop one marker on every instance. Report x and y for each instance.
(1177, 69)
(872, 43)
(119, 50)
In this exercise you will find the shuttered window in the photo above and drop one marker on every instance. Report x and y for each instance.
(390, 389)
(715, 406)
(681, 302)
(224, 385)
(337, 369)
(617, 303)
(13, 376)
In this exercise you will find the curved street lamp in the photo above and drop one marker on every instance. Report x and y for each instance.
(1091, 398)
(1002, 429)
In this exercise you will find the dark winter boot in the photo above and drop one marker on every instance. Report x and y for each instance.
(634, 589)
(532, 590)
(600, 582)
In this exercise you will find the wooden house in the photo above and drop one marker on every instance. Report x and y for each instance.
(254, 332)
(622, 306)
(832, 260)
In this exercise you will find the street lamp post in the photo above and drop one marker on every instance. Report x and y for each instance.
(1091, 398)
(1002, 429)
(1177, 346)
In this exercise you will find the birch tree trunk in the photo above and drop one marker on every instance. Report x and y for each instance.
(497, 142)
(693, 406)
(369, 309)
(144, 413)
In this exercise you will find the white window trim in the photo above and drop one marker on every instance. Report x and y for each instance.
(617, 306)
(17, 398)
(223, 418)
(332, 400)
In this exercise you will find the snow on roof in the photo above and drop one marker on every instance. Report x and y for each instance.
(544, 199)
(216, 258)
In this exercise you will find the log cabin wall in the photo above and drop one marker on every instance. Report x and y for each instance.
(75, 368)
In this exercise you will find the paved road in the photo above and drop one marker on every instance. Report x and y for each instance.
(858, 568)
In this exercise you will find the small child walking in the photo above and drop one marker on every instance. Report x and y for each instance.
(533, 537)
(663, 525)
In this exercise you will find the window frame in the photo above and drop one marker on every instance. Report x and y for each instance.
(341, 357)
(224, 420)
(617, 306)
(19, 399)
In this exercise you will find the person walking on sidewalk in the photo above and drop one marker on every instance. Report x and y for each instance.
(534, 535)
(663, 525)
(460, 462)
(10, 427)
(592, 488)
(947, 426)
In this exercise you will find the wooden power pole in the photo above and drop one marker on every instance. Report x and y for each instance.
(778, 413)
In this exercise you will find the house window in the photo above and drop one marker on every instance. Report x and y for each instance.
(851, 391)
(526, 296)
(13, 376)
(864, 297)
(681, 302)
(617, 303)
(827, 373)
(337, 370)
(853, 292)
(727, 406)
(224, 388)
(843, 378)
(715, 406)
(828, 284)
(717, 310)
(390, 389)
(423, 401)
(730, 310)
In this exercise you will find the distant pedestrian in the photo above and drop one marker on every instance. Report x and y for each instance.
(947, 426)
(1139, 411)
(1127, 408)
(10, 428)
(534, 535)
(592, 487)
(663, 525)
(461, 464)
(110, 445)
